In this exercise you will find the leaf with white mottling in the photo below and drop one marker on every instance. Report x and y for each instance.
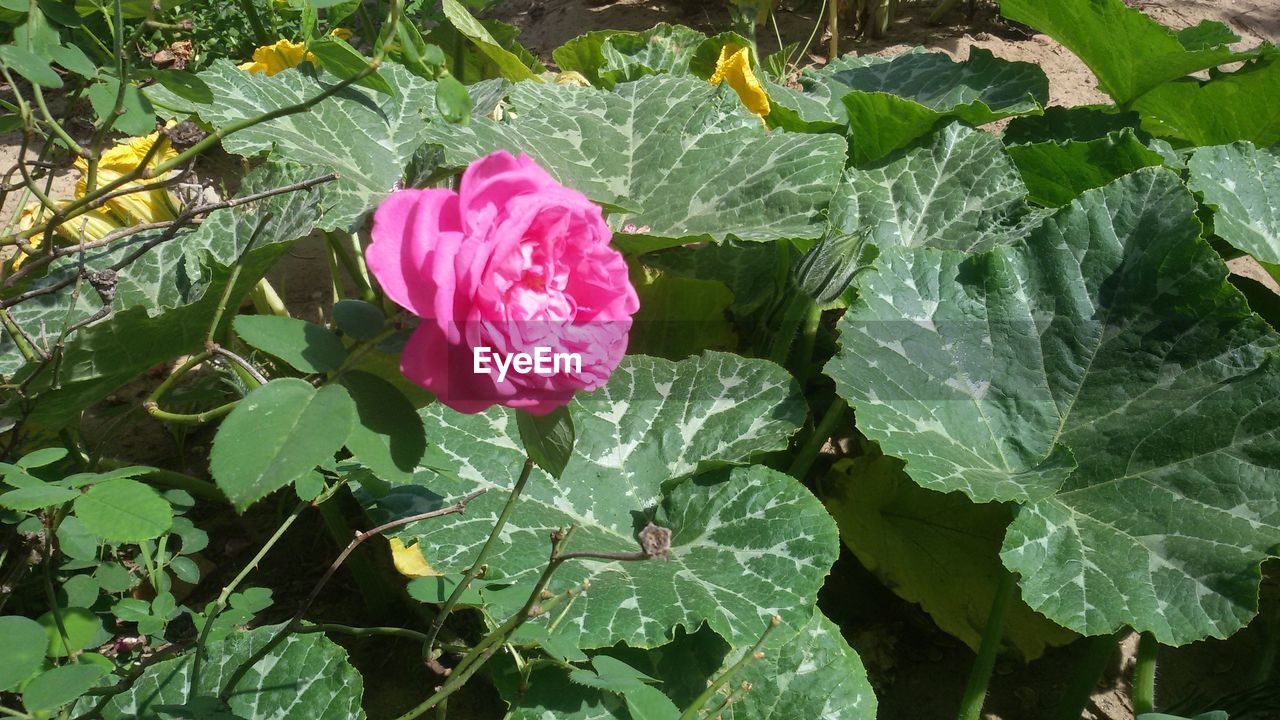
(690, 161)
(807, 672)
(307, 677)
(960, 192)
(1110, 334)
(888, 102)
(164, 300)
(366, 136)
(747, 542)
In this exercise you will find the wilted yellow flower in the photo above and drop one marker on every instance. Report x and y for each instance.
(572, 77)
(128, 154)
(341, 33)
(409, 560)
(734, 67)
(140, 206)
(94, 224)
(146, 206)
(271, 59)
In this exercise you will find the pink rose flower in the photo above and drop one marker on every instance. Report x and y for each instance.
(512, 269)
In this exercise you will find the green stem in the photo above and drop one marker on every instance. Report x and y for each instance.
(792, 316)
(975, 690)
(808, 338)
(229, 685)
(1144, 675)
(491, 643)
(833, 24)
(826, 427)
(754, 653)
(350, 265)
(202, 489)
(221, 603)
(474, 570)
(1084, 678)
(364, 631)
(255, 22)
(54, 608)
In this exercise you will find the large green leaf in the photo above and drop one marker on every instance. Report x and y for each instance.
(277, 433)
(164, 300)
(307, 677)
(889, 102)
(962, 191)
(1127, 51)
(941, 551)
(510, 65)
(751, 271)
(747, 542)
(1057, 171)
(680, 316)
(1111, 334)
(1242, 183)
(25, 642)
(608, 57)
(813, 675)
(1226, 108)
(366, 136)
(682, 158)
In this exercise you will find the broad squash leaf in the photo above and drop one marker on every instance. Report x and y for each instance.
(747, 542)
(961, 191)
(306, 677)
(939, 550)
(886, 103)
(1127, 51)
(685, 161)
(164, 300)
(376, 133)
(1242, 184)
(1102, 372)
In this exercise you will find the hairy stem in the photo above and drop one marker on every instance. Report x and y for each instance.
(755, 653)
(1144, 675)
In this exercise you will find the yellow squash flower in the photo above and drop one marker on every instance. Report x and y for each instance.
(145, 206)
(271, 59)
(409, 560)
(95, 225)
(734, 67)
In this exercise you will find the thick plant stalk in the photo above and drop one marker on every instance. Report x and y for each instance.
(1144, 675)
(1084, 679)
(975, 690)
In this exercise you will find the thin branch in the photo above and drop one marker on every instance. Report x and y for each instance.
(290, 625)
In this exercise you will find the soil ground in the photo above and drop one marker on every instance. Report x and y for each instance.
(917, 670)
